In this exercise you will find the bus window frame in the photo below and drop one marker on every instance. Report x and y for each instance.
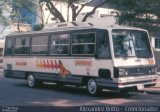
(12, 46)
(29, 46)
(70, 33)
(84, 32)
(105, 31)
(50, 42)
(36, 35)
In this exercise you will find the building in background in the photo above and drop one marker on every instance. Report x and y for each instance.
(5, 30)
(28, 17)
(24, 22)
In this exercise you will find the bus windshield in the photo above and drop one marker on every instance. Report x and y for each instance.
(131, 43)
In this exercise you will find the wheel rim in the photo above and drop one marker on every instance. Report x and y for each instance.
(92, 86)
(31, 80)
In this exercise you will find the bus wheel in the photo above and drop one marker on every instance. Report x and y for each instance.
(92, 87)
(31, 81)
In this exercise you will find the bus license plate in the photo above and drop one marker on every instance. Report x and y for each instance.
(140, 87)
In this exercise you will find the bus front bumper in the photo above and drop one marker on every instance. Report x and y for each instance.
(138, 82)
(128, 82)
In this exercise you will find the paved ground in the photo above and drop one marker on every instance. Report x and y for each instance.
(16, 92)
(155, 89)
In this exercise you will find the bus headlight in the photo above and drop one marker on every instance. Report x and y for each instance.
(123, 72)
(126, 72)
(152, 70)
(120, 72)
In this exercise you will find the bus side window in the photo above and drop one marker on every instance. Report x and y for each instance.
(39, 45)
(9, 47)
(22, 45)
(59, 44)
(83, 43)
(103, 49)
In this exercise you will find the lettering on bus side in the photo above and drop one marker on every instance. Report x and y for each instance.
(83, 63)
(21, 63)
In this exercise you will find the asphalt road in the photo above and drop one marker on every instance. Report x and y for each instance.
(16, 92)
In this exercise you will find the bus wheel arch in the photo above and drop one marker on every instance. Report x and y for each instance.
(85, 80)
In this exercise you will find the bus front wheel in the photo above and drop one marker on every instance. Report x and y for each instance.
(92, 87)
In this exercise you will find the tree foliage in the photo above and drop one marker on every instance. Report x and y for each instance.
(138, 13)
(14, 8)
(71, 4)
(33, 5)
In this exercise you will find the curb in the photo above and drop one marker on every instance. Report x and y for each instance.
(153, 92)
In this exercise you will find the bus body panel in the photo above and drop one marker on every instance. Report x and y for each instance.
(134, 62)
(85, 66)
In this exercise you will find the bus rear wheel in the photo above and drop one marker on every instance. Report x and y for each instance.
(32, 82)
(92, 87)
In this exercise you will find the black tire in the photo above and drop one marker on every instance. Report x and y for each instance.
(93, 88)
(32, 82)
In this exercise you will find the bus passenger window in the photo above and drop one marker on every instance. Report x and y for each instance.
(103, 49)
(59, 44)
(40, 45)
(83, 44)
(9, 47)
(21, 45)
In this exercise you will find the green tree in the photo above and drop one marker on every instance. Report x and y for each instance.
(32, 5)
(13, 8)
(138, 13)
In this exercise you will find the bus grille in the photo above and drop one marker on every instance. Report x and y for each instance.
(140, 71)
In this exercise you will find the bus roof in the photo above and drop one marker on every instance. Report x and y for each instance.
(65, 26)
